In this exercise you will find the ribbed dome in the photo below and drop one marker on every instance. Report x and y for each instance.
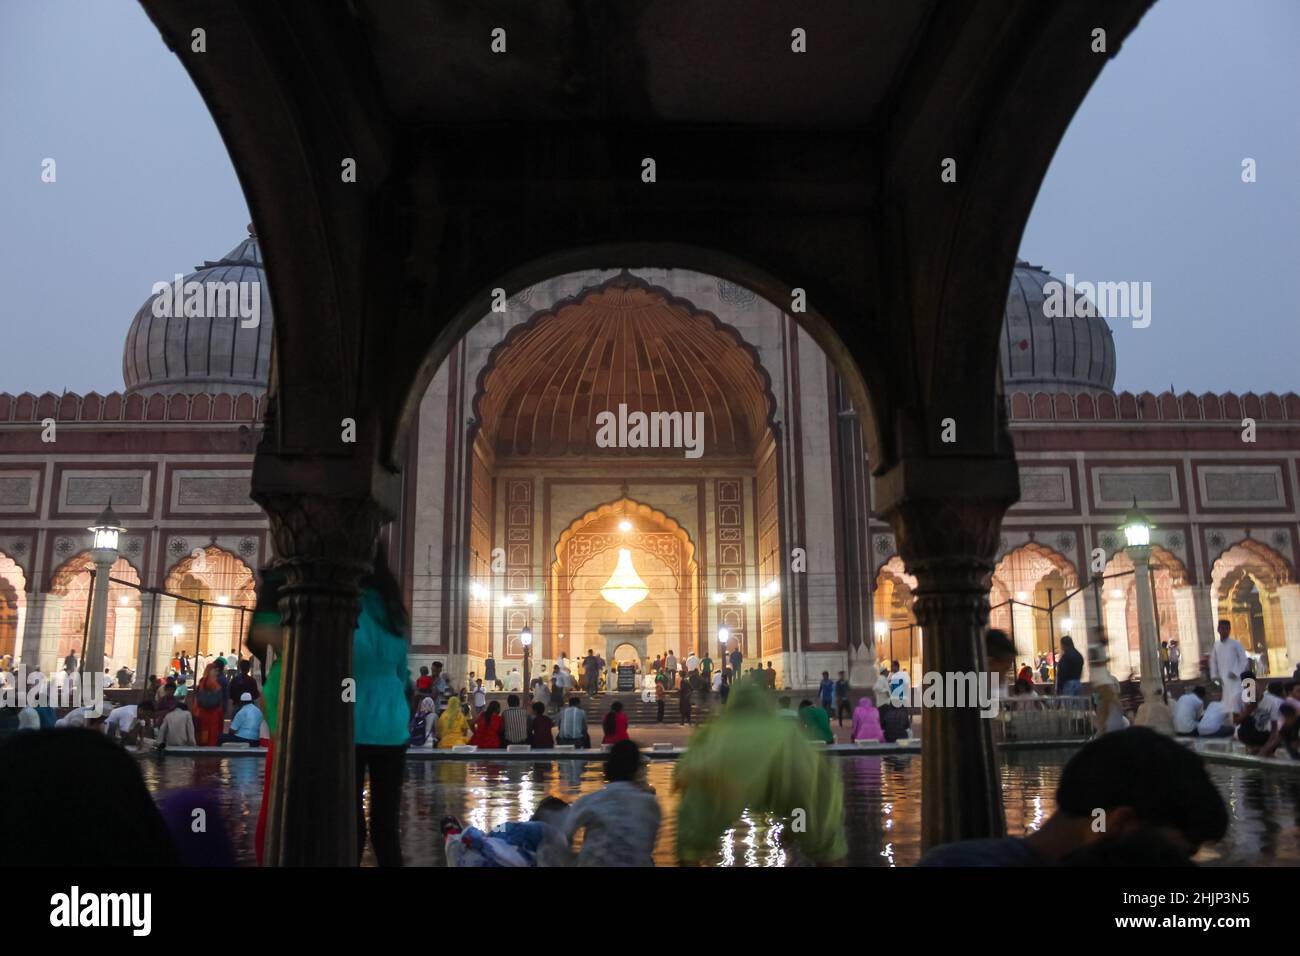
(210, 352)
(1051, 354)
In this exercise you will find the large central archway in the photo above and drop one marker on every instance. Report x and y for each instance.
(584, 553)
(587, 382)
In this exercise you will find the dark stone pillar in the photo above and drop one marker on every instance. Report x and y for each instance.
(325, 545)
(949, 541)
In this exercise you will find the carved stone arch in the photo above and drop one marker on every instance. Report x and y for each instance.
(596, 531)
(71, 583)
(1044, 553)
(13, 603)
(1267, 564)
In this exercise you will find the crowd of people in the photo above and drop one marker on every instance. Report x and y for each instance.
(758, 751)
(1265, 721)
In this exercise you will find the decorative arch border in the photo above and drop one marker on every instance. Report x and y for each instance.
(1162, 559)
(63, 576)
(18, 582)
(170, 569)
(1069, 573)
(136, 563)
(625, 505)
(1278, 568)
(6, 556)
(687, 574)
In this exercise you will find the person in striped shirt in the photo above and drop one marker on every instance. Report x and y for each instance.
(514, 723)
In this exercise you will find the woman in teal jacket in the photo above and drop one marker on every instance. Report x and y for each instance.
(382, 709)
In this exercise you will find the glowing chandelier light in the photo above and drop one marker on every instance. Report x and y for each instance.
(624, 589)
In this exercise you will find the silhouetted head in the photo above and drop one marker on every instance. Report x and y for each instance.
(623, 762)
(78, 776)
(1142, 780)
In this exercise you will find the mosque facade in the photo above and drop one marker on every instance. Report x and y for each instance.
(637, 460)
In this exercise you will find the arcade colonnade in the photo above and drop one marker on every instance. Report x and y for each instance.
(514, 517)
(1250, 584)
(143, 630)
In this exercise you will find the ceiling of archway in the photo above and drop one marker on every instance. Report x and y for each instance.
(623, 343)
(641, 61)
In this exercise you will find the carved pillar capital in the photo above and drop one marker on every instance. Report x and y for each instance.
(947, 533)
(950, 547)
(322, 542)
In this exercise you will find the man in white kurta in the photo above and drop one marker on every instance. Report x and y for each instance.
(1228, 661)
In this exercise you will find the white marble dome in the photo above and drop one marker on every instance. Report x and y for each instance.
(208, 353)
(1041, 353)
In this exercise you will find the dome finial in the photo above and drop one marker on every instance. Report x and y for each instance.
(252, 231)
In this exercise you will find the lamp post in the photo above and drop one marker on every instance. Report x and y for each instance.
(724, 635)
(1137, 533)
(526, 639)
(106, 529)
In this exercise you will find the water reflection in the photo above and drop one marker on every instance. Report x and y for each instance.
(881, 802)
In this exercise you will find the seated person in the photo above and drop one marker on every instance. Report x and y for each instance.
(1287, 732)
(246, 727)
(177, 729)
(540, 732)
(816, 722)
(1262, 717)
(1188, 711)
(1217, 722)
(895, 722)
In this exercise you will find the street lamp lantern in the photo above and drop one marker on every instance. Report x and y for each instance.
(107, 529)
(1136, 527)
(882, 630)
(526, 637)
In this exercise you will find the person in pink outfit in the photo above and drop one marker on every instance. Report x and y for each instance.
(866, 721)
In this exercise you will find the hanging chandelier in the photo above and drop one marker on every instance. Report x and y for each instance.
(624, 589)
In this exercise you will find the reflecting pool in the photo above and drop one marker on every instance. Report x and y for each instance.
(882, 804)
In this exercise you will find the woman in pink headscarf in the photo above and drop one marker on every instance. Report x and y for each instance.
(866, 721)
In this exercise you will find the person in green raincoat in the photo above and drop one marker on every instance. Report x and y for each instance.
(751, 758)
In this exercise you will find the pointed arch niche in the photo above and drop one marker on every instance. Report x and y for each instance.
(664, 555)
